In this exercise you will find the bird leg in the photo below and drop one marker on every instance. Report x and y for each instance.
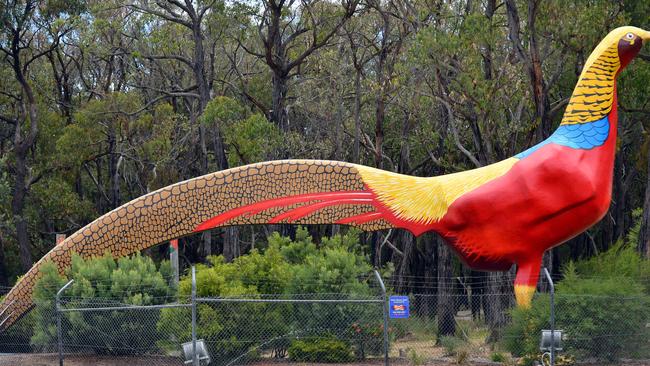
(526, 280)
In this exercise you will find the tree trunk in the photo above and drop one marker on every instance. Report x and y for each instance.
(644, 234)
(408, 242)
(279, 113)
(547, 262)
(113, 167)
(17, 209)
(219, 148)
(477, 286)
(231, 234)
(497, 301)
(380, 114)
(446, 299)
(4, 278)
(533, 63)
(230, 244)
(428, 303)
(357, 117)
(204, 148)
(199, 67)
(22, 146)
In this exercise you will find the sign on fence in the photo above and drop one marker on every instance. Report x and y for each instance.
(399, 307)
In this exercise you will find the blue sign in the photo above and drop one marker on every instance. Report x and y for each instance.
(398, 307)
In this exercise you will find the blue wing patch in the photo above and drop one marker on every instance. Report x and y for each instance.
(577, 136)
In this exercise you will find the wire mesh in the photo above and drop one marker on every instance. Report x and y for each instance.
(303, 328)
(446, 325)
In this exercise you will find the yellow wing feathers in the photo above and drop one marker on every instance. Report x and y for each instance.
(425, 200)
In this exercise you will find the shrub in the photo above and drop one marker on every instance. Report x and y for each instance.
(498, 357)
(288, 267)
(609, 322)
(603, 313)
(320, 350)
(44, 335)
(135, 281)
(414, 358)
(419, 327)
(462, 356)
(521, 336)
(452, 344)
(17, 338)
(367, 339)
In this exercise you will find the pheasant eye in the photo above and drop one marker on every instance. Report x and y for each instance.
(629, 36)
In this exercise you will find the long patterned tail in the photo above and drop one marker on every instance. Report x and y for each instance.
(289, 191)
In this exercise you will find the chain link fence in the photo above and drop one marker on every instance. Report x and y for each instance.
(336, 328)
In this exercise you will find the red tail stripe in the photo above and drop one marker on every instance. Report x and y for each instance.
(258, 207)
(300, 212)
(360, 219)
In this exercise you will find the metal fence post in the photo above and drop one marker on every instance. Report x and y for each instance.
(385, 311)
(59, 331)
(195, 357)
(552, 290)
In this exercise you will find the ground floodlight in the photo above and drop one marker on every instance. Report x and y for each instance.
(545, 343)
(201, 350)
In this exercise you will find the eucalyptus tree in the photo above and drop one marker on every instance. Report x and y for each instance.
(190, 16)
(288, 33)
(30, 31)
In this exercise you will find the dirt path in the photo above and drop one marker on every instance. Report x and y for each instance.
(53, 360)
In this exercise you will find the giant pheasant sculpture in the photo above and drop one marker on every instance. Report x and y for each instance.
(495, 216)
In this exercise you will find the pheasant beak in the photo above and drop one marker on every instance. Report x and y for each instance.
(645, 35)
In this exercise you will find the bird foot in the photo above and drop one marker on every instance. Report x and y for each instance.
(526, 280)
(524, 295)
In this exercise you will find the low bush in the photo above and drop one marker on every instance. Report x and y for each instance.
(320, 350)
(132, 281)
(17, 338)
(601, 305)
(452, 344)
(521, 336)
(498, 357)
(609, 322)
(368, 339)
(290, 267)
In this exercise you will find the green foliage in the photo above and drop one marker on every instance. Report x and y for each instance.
(222, 111)
(414, 358)
(329, 350)
(252, 139)
(521, 336)
(249, 137)
(58, 202)
(608, 320)
(498, 357)
(17, 339)
(420, 327)
(621, 261)
(452, 344)
(57, 8)
(601, 304)
(286, 266)
(132, 280)
(44, 335)
(5, 187)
